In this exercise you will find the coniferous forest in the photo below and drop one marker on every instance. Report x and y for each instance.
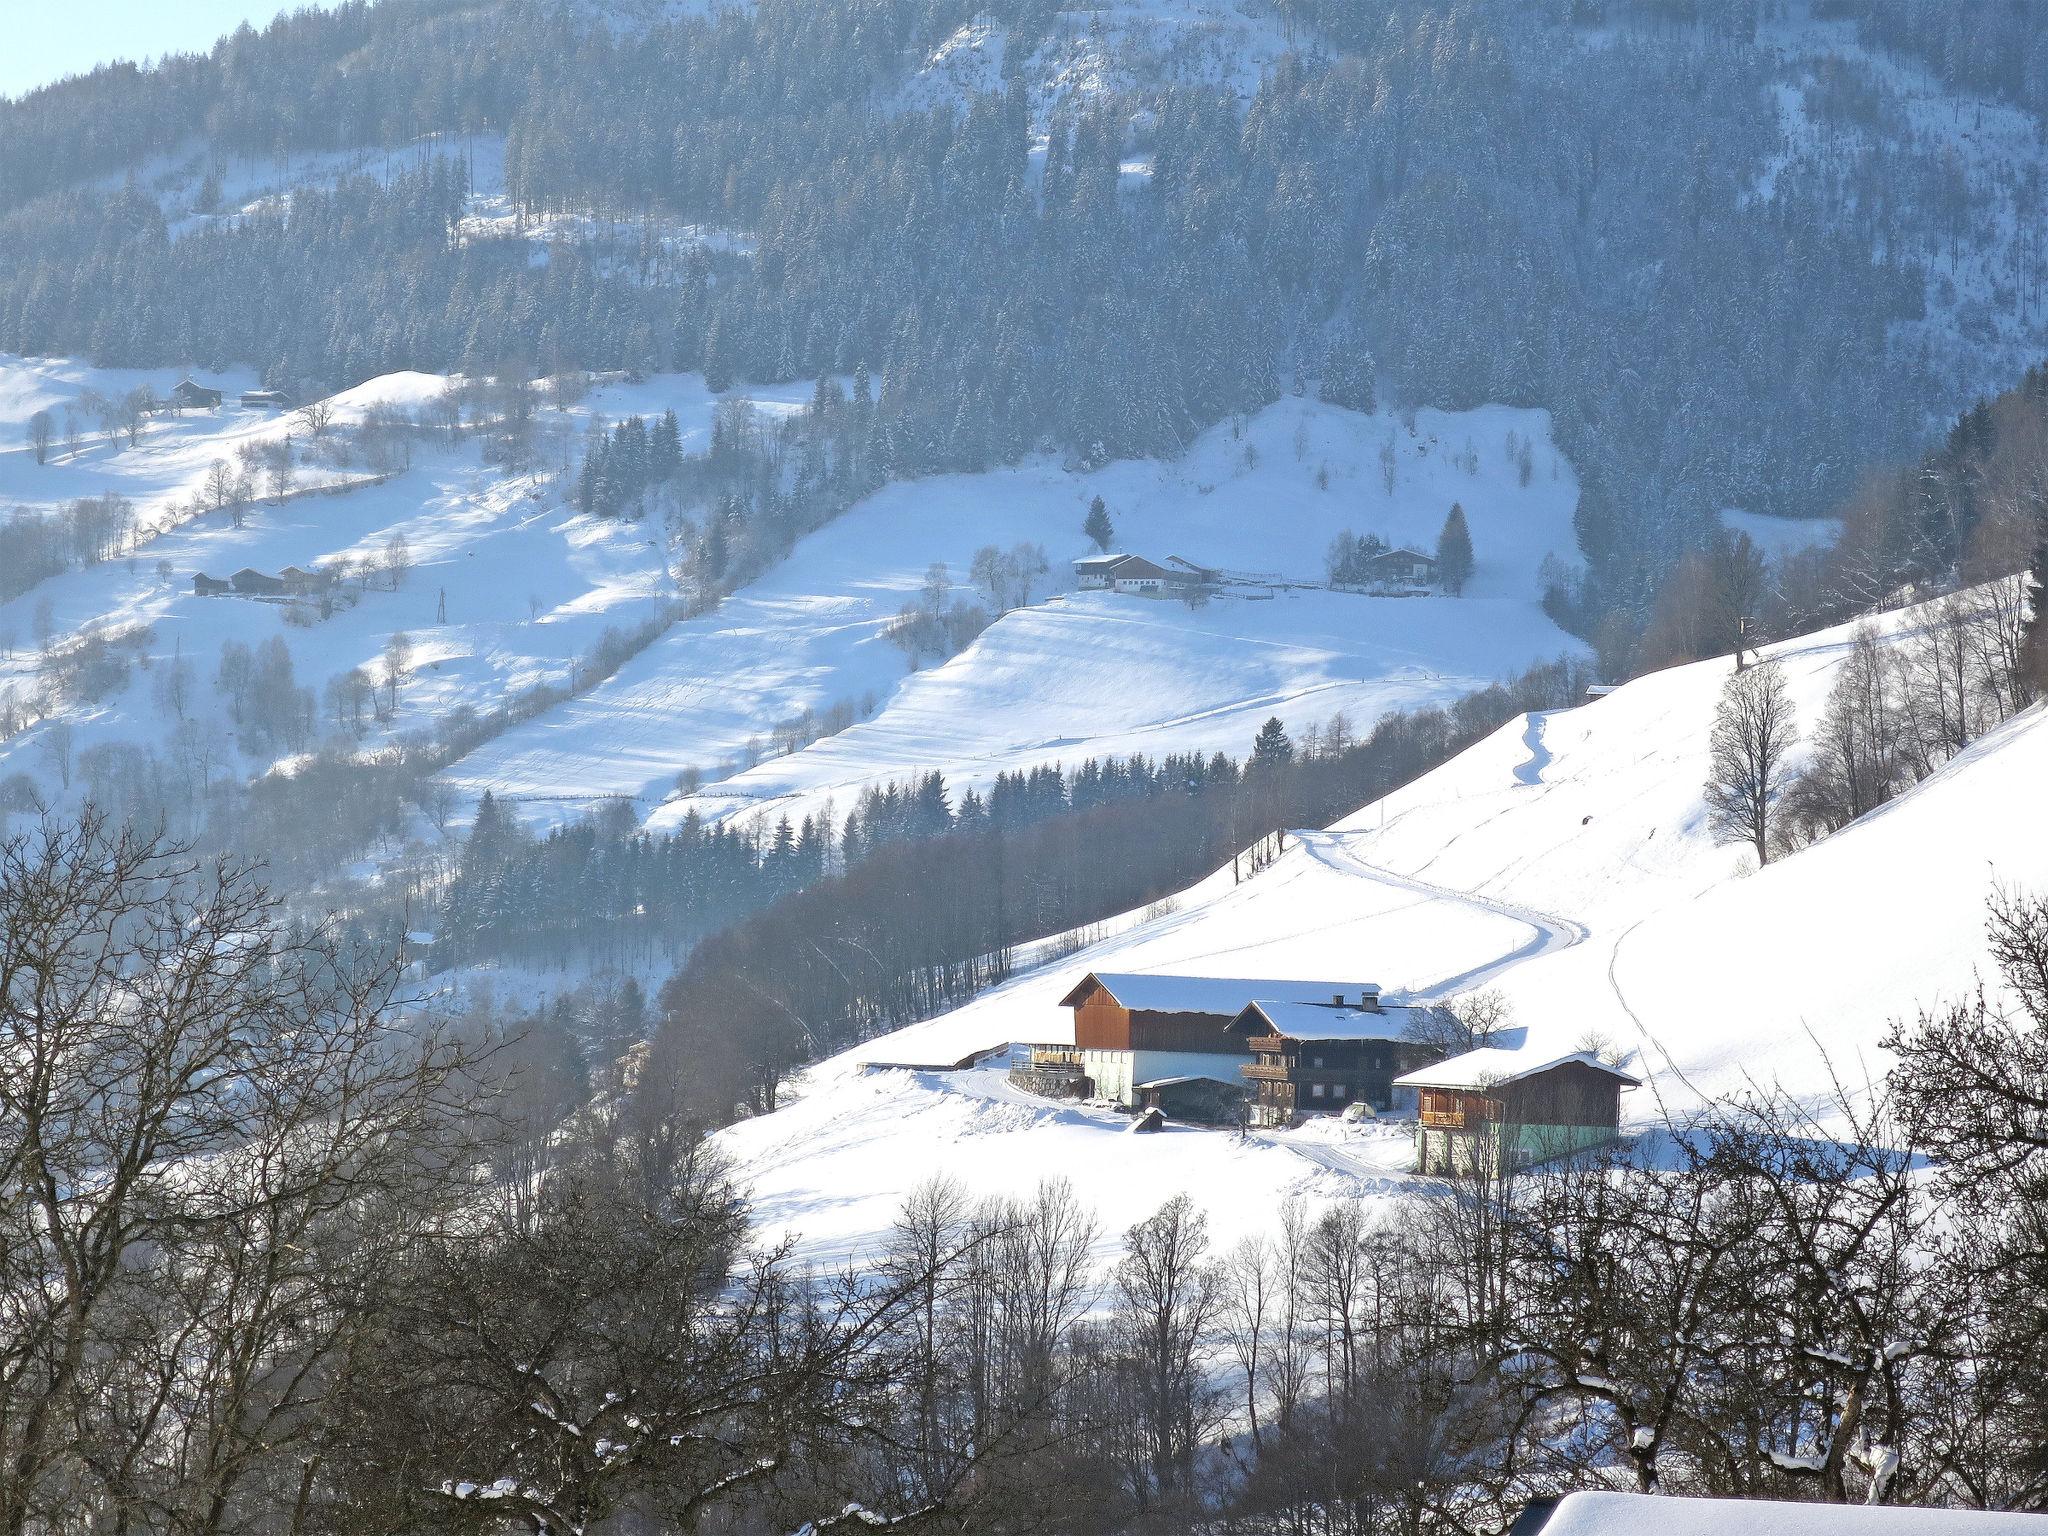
(1464, 198)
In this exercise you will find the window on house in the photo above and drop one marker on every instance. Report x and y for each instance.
(1319, 1061)
(1337, 1092)
(1315, 1090)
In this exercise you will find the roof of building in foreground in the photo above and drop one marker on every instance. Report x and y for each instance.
(1491, 1066)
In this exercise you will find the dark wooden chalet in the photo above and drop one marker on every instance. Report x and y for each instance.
(1489, 1111)
(1401, 567)
(254, 583)
(204, 585)
(267, 399)
(190, 396)
(1323, 1057)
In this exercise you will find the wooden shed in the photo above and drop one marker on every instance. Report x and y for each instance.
(1490, 1111)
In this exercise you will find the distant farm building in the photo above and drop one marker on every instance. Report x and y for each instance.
(267, 399)
(1135, 1035)
(1136, 575)
(188, 396)
(253, 583)
(303, 583)
(1323, 1057)
(204, 585)
(1490, 1111)
(1401, 568)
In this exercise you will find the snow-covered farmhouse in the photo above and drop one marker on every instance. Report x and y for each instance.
(191, 396)
(1323, 1057)
(1137, 575)
(1143, 1040)
(1401, 567)
(1492, 1110)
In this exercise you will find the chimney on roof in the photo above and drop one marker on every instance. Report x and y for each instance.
(1369, 1000)
(1337, 1000)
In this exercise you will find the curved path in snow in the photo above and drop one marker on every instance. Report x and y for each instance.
(1550, 933)
(1531, 772)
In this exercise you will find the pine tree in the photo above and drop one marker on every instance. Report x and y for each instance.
(1454, 552)
(1348, 372)
(1272, 748)
(1098, 526)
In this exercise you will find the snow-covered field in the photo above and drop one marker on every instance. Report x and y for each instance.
(1090, 673)
(1565, 860)
(529, 584)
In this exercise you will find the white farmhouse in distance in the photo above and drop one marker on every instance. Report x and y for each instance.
(1136, 575)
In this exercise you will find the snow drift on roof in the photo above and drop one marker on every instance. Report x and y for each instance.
(1226, 996)
(1630, 1514)
(1319, 1021)
(1491, 1065)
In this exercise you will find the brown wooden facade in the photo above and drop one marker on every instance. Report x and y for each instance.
(1291, 1078)
(1490, 1128)
(1101, 1023)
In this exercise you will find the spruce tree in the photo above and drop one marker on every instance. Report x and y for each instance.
(1098, 526)
(1272, 748)
(1454, 552)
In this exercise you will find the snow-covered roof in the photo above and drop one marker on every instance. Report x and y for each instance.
(1630, 1514)
(1492, 1065)
(1090, 562)
(1319, 1021)
(1226, 996)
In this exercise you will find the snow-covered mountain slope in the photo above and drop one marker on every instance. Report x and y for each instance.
(1566, 861)
(529, 585)
(1101, 50)
(1090, 673)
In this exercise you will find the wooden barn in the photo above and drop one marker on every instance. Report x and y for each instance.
(1490, 1111)
(254, 583)
(204, 585)
(189, 396)
(1323, 1057)
(267, 399)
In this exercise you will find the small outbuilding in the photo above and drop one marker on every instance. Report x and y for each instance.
(267, 399)
(1491, 1111)
(204, 585)
(1194, 1098)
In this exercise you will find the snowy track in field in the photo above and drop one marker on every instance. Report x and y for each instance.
(1550, 934)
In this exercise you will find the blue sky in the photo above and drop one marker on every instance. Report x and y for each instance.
(44, 40)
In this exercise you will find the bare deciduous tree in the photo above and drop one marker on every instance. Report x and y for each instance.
(1754, 730)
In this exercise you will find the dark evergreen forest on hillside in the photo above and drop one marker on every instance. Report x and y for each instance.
(1551, 204)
